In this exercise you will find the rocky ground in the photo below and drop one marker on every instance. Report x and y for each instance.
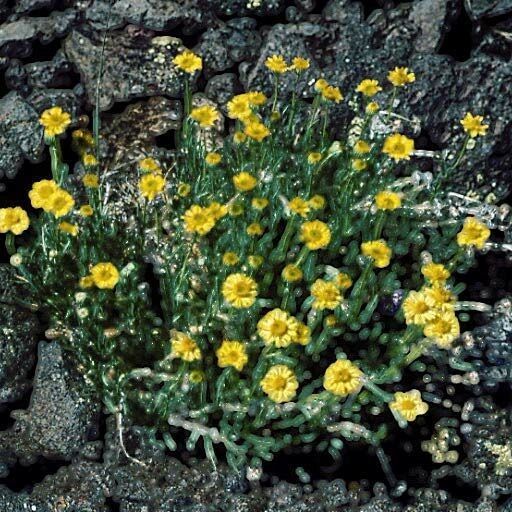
(57, 450)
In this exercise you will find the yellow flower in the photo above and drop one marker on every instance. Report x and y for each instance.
(435, 272)
(386, 200)
(188, 61)
(277, 328)
(398, 147)
(41, 193)
(230, 258)
(90, 180)
(67, 227)
(196, 376)
(372, 107)
(400, 77)
(331, 320)
(86, 210)
(239, 290)
(379, 251)
(83, 138)
(256, 131)
(408, 405)
(362, 147)
(314, 157)
(342, 378)
(343, 281)
(291, 273)
(213, 158)
(315, 234)
(89, 160)
(86, 282)
(317, 202)
(441, 296)
(332, 93)
(244, 181)
(205, 115)
(443, 329)
(473, 125)
(198, 220)
(239, 107)
(303, 334)
(217, 210)
(369, 87)
(55, 121)
(232, 353)
(14, 220)
(149, 164)
(276, 63)
(255, 260)
(299, 206)
(255, 98)
(150, 185)
(254, 229)
(327, 295)
(184, 189)
(300, 64)
(259, 203)
(60, 203)
(359, 165)
(184, 347)
(280, 383)
(321, 84)
(239, 137)
(418, 308)
(235, 209)
(474, 233)
(105, 275)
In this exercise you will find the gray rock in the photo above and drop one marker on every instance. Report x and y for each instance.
(60, 418)
(221, 88)
(478, 9)
(134, 65)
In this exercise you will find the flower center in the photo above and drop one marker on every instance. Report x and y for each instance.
(278, 327)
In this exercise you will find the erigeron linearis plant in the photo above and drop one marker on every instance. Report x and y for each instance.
(274, 254)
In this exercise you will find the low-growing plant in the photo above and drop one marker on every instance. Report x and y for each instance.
(301, 279)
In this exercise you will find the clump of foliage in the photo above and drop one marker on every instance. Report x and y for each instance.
(300, 277)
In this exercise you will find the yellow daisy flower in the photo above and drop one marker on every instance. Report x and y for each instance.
(315, 234)
(369, 87)
(362, 147)
(408, 405)
(291, 273)
(89, 160)
(418, 308)
(379, 251)
(400, 77)
(474, 233)
(205, 115)
(239, 107)
(216, 210)
(372, 107)
(300, 64)
(314, 157)
(149, 164)
(255, 260)
(342, 378)
(299, 206)
(86, 210)
(184, 189)
(276, 64)
(232, 353)
(256, 131)
(240, 290)
(435, 272)
(443, 329)
(150, 185)
(244, 181)
(332, 93)
(359, 165)
(239, 137)
(188, 61)
(398, 147)
(67, 227)
(280, 383)
(54, 121)
(259, 203)
(230, 258)
(41, 192)
(327, 295)
(277, 328)
(386, 200)
(254, 229)
(184, 347)
(321, 84)
(235, 209)
(317, 202)
(60, 203)
(442, 297)
(198, 220)
(343, 281)
(86, 282)
(14, 220)
(473, 125)
(105, 275)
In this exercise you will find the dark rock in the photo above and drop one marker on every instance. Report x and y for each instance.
(60, 414)
(483, 9)
(134, 65)
(19, 329)
(221, 88)
(53, 74)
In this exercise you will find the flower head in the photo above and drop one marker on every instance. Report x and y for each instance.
(239, 107)
(254, 229)
(277, 328)
(188, 61)
(315, 234)
(379, 251)
(362, 147)
(60, 203)
(474, 233)
(386, 200)
(332, 93)
(418, 308)
(314, 157)
(91, 180)
(205, 115)
(240, 290)
(398, 147)
(372, 108)
(400, 77)
(89, 160)
(230, 258)
(67, 227)
(150, 185)
(213, 158)
(276, 64)
(41, 193)
(303, 334)
(217, 210)
(317, 202)
(259, 203)
(198, 219)
(408, 405)
(291, 273)
(359, 165)
(280, 383)
(244, 181)
(443, 329)
(184, 189)
(342, 378)
(327, 295)
(14, 220)
(239, 137)
(184, 347)
(149, 164)
(55, 121)
(369, 87)
(105, 275)
(256, 131)
(255, 260)
(321, 84)
(473, 125)
(255, 98)
(435, 272)
(343, 281)
(299, 206)
(300, 64)
(86, 210)
(443, 298)
(232, 353)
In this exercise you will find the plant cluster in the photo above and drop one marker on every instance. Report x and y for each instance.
(301, 279)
